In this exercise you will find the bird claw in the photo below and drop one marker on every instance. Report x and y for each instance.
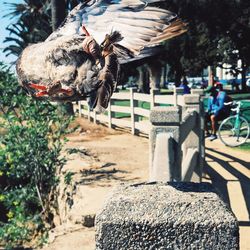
(85, 31)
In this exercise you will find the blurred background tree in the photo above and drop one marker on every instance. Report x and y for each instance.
(215, 37)
(32, 24)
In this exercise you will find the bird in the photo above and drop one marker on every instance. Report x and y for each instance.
(81, 59)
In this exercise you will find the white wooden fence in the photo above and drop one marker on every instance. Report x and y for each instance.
(136, 117)
(176, 133)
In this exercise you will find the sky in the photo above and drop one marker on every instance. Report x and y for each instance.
(4, 22)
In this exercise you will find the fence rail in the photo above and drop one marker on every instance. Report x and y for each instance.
(135, 116)
(176, 133)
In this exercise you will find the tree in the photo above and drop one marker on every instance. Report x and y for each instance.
(214, 36)
(33, 22)
(32, 25)
(235, 44)
(190, 53)
(58, 12)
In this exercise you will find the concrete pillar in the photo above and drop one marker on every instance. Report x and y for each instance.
(165, 120)
(166, 216)
(195, 139)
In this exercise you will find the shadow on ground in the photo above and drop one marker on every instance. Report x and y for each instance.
(226, 172)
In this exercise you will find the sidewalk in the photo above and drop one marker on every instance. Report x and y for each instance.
(229, 171)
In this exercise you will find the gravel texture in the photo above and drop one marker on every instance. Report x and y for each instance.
(162, 115)
(166, 216)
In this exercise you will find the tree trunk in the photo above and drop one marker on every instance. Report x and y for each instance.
(164, 76)
(243, 77)
(143, 81)
(58, 12)
(178, 75)
(155, 72)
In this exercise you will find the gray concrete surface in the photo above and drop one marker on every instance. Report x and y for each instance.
(166, 216)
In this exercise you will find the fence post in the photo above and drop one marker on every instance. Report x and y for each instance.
(134, 117)
(165, 120)
(80, 109)
(89, 114)
(195, 139)
(94, 116)
(110, 114)
(177, 91)
(153, 92)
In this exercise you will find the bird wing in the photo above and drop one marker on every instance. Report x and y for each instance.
(141, 25)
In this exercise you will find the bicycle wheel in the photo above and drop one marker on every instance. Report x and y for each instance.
(232, 132)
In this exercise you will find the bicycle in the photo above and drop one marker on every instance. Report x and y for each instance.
(234, 130)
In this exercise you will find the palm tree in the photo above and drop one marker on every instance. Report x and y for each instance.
(34, 19)
(59, 10)
(32, 25)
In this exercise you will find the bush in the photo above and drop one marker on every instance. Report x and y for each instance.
(30, 148)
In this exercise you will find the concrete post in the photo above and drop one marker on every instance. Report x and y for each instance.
(195, 139)
(165, 120)
(179, 215)
(163, 158)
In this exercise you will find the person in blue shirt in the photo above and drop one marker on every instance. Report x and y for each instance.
(184, 85)
(216, 110)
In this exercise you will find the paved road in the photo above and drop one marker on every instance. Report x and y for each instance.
(229, 170)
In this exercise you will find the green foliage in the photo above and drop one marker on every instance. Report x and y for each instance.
(68, 178)
(30, 147)
(32, 25)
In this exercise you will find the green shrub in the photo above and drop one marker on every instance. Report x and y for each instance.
(31, 134)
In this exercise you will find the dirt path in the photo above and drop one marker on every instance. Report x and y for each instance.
(104, 158)
(107, 157)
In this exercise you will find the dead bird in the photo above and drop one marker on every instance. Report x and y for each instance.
(81, 59)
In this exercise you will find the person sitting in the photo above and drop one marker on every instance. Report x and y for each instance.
(216, 110)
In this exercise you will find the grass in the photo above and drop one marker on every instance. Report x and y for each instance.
(244, 147)
(238, 97)
(126, 103)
